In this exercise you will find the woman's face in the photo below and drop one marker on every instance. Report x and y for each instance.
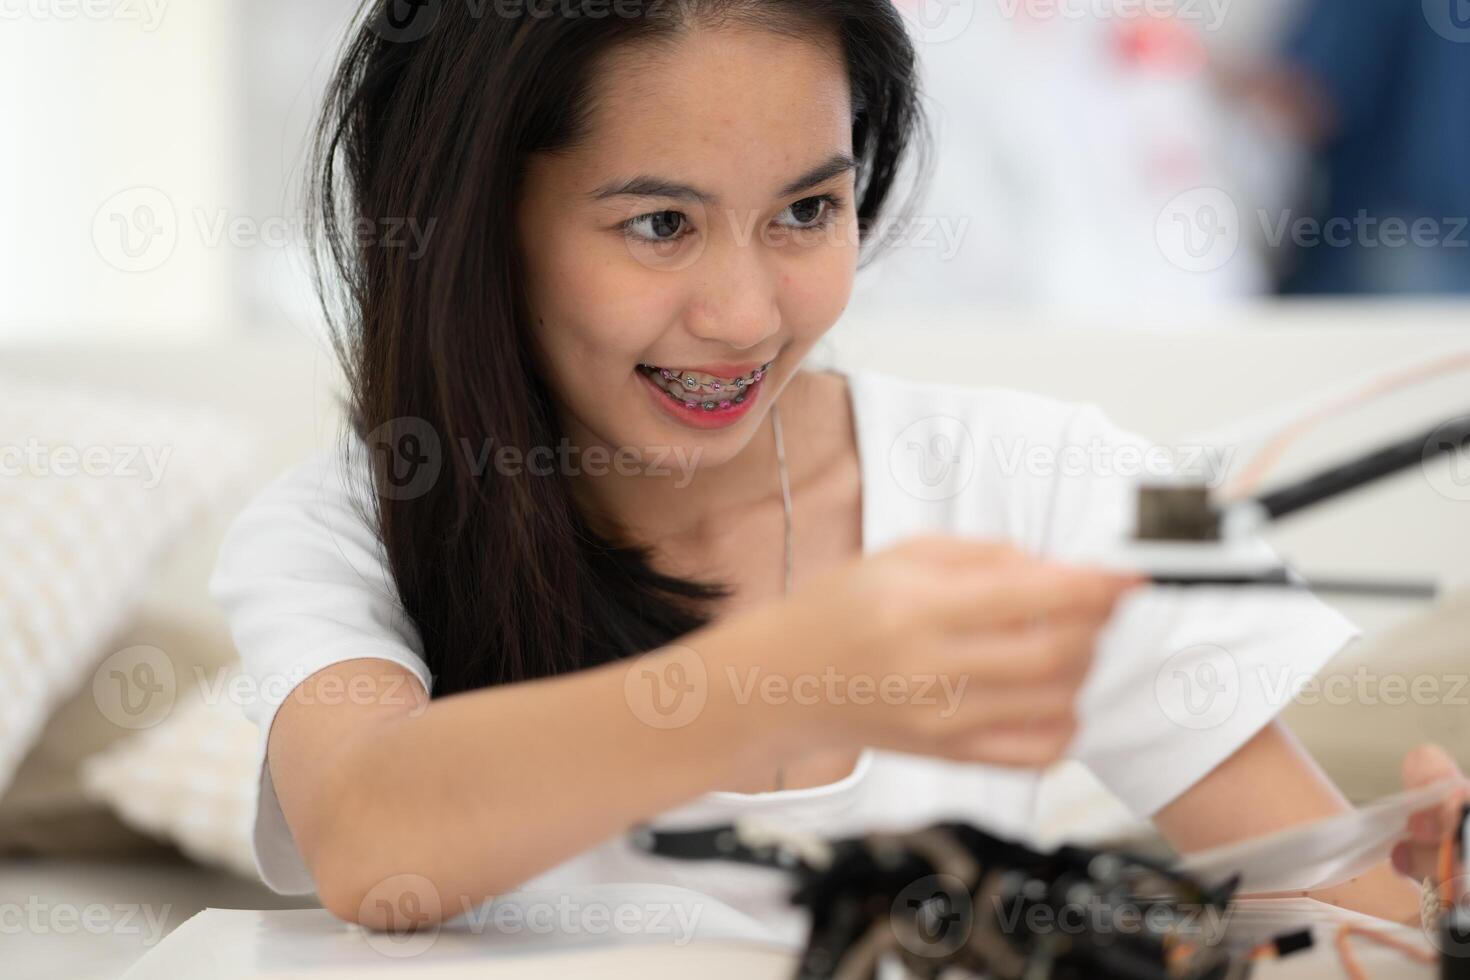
(703, 230)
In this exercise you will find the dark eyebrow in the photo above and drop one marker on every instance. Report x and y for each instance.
(646, 186)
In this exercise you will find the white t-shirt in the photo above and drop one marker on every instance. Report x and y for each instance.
(1181, 678)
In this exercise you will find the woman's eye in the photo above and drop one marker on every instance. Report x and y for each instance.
(660, 226)
(806, 213)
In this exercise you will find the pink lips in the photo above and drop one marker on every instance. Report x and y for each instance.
(693, 413)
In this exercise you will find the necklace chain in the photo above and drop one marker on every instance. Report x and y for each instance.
(789, 537)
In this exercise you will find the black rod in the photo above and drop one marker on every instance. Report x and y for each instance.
(1452, 436)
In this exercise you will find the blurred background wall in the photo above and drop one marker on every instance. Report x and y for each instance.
(1147, 156)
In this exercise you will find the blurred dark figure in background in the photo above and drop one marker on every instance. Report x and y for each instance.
(1379, 90)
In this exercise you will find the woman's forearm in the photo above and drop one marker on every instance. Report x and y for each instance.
(484, 790)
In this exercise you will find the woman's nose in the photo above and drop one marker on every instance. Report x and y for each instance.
(735, 301)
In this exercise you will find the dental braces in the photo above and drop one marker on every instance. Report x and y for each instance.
(717, 386)
(732, 393)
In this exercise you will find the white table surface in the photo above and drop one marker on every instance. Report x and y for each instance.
(309, 944)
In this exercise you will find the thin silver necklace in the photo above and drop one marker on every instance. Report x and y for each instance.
(786, 511)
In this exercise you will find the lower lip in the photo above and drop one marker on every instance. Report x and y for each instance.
(698, 417)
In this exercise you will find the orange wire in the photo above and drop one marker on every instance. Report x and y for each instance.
(1446, 869)
(1255, 471)
(1346, 931)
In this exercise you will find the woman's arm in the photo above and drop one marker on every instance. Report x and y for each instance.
(396, 802)
(1271, 783)
(470, 795)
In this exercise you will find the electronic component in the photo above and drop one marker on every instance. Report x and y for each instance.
(951, 897)
(1185, 538)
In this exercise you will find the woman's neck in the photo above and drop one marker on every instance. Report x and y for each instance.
(688, 502)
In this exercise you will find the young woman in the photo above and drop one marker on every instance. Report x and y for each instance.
(587, 466)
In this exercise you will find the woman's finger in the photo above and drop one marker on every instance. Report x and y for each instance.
(1026, 592)
(1423, 766)
(1417, 861)
(1048, 653)
(1428, 763)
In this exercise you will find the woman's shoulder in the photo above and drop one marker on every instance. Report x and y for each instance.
(333, 485)
(984, 459)
(302, 578)
(1007, 432)
(894, 402)
(315, 520)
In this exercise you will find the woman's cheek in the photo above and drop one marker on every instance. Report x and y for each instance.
(815, 292)
(612, 304)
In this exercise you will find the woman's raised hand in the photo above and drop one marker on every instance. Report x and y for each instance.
(950, 647)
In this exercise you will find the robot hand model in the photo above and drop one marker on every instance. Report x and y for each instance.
(951, 897)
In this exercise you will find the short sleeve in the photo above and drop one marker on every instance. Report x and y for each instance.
(1182, 677)
(304, 585)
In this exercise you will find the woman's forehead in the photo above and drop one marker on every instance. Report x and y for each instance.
(730, 106)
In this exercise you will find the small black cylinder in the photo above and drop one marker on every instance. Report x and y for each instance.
(1454, 944)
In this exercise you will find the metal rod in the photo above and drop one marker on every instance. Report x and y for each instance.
(1384, 589)
(1452, 436)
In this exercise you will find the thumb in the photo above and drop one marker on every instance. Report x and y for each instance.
(1428, 763)
(1424, 765)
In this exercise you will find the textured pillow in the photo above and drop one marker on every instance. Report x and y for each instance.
(94, 489)
(189, 780)
(45, 810)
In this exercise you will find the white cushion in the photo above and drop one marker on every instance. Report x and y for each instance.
(94, 488)
(189, 780)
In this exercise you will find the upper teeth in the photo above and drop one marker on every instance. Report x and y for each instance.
(694, 381)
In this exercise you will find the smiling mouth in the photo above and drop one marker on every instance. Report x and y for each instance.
(692, 385)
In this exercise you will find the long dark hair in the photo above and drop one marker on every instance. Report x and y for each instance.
(430, 118)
